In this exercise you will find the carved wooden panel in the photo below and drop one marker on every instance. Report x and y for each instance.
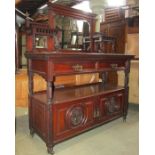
(113, 104)
(75, 116)
(72, 117)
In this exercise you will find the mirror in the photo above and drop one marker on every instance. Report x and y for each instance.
(70, 32)
(40, 41)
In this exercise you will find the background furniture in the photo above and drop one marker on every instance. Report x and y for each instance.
(101, 42)
(115, 29)
(114, 26)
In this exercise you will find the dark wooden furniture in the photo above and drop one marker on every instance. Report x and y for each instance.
(114, 26)
(115, 29)
(48, 29)
(101, 43)
(132, 24)
(61, 113)
(114, 14)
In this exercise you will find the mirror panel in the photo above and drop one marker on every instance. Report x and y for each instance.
(72, 32)
(40, 41)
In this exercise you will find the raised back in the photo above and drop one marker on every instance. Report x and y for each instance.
(70, 12)
(38, 29)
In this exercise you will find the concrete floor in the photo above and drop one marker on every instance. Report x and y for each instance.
(114, 138)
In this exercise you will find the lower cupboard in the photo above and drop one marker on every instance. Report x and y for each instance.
(62, 120)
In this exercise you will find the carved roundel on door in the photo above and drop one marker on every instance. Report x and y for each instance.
(75, 116)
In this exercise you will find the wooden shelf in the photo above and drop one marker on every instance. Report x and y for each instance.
(74, 93)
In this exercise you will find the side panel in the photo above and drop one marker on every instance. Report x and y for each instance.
(38, 118)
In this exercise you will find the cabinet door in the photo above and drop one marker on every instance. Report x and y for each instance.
(72, 118)
(112, 104)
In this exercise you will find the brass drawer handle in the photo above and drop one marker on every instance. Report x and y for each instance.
(114, 66)
(77, 67)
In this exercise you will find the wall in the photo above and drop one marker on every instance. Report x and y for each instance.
(132, 47)
(132, 44)
(133, 82)
(130, 2)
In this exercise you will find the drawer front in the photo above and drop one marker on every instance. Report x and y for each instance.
(111, 65)
(74, 67)
(112, 104)
(80, 67)
(71, 118)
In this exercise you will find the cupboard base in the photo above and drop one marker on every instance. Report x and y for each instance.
(58, 122)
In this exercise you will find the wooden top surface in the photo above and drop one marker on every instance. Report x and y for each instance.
(79, 92)
(76, 54)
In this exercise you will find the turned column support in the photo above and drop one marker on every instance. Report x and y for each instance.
(127, 71)
(17, 51)
(30, 78)
(126, 86)
(50, 86)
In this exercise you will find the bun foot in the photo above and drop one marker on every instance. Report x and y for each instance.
(50, 150)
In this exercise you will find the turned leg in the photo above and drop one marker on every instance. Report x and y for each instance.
(49, 91)
(126, 83)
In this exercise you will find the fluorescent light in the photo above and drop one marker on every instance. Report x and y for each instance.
(43, 6)
(54, 1)
(116, 2)
(83, 6)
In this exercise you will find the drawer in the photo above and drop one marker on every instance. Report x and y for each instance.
(74, 67)
(80, 67)
(110, 65)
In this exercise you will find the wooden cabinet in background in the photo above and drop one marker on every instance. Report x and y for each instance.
(115, 29)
